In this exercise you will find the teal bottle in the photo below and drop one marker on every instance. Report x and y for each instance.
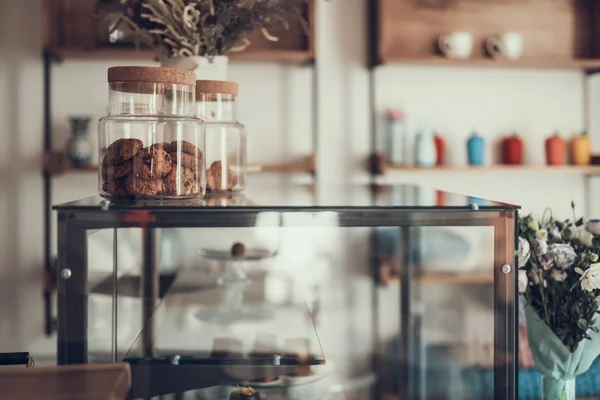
(476, 150)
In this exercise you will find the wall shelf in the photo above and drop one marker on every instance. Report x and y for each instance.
(56, 163)
(470, 277)
(144, 55)
(379, 166)
(588, 65)
(406, 32)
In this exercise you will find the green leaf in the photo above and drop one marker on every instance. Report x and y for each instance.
(581, 323)
(579, 222)
(594, 329)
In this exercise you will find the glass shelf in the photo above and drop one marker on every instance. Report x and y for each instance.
(178, 335)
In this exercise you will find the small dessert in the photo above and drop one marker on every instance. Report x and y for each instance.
(180, 182)
(152, 163)
(227, 348)
(187, 160)
(162, 146)
(244, 394)
(265, 346)
(143, 188)
(300, 349)
(115, 187)
(122, 150)
(238, 250)
(116, 171)
(187, 148)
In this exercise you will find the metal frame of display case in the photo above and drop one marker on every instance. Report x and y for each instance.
(77, 218)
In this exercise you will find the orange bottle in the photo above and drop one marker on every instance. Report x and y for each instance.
(581, 149)
(556, 150)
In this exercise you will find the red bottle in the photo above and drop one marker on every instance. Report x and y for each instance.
(556, 150)
(440, 150)
(512, 150)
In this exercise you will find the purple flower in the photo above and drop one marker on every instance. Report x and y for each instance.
(564, 255)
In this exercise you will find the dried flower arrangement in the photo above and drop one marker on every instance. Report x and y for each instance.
(181, 28)
(559, 281)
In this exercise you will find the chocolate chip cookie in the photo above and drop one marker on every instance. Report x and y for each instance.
(143, 188)
(215, 181)
(187, 148)
(180, 182)
(163, 146)
(115, 187)
(151, 163)
(110, 172)
(187, 160)
(122, 150)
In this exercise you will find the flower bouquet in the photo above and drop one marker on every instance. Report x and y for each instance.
(209, 28)
(559, 285)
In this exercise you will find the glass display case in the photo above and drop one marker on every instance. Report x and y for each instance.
(353, 292)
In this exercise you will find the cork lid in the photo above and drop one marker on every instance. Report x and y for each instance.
(216, 87)
(151, 75)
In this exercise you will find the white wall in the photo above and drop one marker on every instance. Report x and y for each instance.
(275, 105)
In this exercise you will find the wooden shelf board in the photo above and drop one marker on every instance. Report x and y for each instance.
(264, 56)
(438, 60)
(573, 169)
(56, 164)
(451, 278)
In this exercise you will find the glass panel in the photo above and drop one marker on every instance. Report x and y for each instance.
(438, 336)
(294, 196)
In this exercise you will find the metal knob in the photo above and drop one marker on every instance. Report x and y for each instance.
(506, 269)
(65, 273)
(474, 206)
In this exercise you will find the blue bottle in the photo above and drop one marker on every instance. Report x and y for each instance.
(476, 150)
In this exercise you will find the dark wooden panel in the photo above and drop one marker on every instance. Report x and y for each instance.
(551, 29)
(77, 24)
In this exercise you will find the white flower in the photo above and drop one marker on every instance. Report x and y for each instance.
(581, 233)
(597, 301)
(590, 280)
(593, 257)
(593, 226)
(524, 252)
(542, 234)
(522, 281)
(555, 232)
(539, 247)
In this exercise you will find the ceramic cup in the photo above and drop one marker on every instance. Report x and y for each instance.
(457, 45)
(507, 46)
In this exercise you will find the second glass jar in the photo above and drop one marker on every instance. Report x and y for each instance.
(225, 136)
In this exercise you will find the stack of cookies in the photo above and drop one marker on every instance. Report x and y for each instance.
(130, 170)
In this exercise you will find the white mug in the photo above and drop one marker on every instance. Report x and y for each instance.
(507, 46)
(457, 45)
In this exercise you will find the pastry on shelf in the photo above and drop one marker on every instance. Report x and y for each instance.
(244, 393)
(299, 348)
(265, 346)
(238, 249)
(227, 348)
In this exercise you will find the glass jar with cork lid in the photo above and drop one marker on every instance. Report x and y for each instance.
(151, 146)
(225, 136)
